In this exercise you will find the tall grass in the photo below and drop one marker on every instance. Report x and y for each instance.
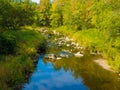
(15, 68)
(97, 41)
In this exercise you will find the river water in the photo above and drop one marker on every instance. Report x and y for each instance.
(46, 77)
(71, 73)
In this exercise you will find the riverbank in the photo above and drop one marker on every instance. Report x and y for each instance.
(96, 42)
(15, 67)
(103, 63)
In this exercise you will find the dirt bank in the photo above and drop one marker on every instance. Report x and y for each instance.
(103, 63)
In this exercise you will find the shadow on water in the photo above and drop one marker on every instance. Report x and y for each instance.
(93, 76)
(72, 74)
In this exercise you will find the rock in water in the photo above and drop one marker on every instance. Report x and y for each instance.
(78, 54)
(65, 54)
(50, 56)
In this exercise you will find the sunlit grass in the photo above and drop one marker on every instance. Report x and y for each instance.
(97, 41)
(14, 68)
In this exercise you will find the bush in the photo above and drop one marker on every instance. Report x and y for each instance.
(42, 47)
(7, 44)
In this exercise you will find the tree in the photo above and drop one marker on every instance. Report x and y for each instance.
(78, 14)
(13, 15)
(57, 13)
(106, 16)
(44, 13)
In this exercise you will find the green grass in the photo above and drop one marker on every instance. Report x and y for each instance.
(95, 40)
(14, 68)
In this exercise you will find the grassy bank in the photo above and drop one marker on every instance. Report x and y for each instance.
(15, 67)
(96, 41)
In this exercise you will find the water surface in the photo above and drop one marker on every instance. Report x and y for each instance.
(72, 74)
(46, 77)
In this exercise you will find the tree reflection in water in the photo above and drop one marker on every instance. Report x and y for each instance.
(94, 76)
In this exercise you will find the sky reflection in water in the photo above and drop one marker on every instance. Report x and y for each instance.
(46, 78)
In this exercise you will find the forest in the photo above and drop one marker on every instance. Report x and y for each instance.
(94, 24)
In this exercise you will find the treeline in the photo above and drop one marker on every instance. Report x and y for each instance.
(81, 14)
(77, 14)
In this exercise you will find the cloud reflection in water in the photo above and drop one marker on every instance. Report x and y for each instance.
(46, 78)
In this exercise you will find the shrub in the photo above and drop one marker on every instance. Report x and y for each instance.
(7, 44)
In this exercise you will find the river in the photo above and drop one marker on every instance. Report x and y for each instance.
(70, 73)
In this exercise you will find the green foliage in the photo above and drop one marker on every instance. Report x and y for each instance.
(78, 13)
(97, 41)
(43, 13)
(27, 40)
(57, 13)
(16, 67)
(72, 16)
(13, 15)
(18, 48)
(7, 44)
(14, 70)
